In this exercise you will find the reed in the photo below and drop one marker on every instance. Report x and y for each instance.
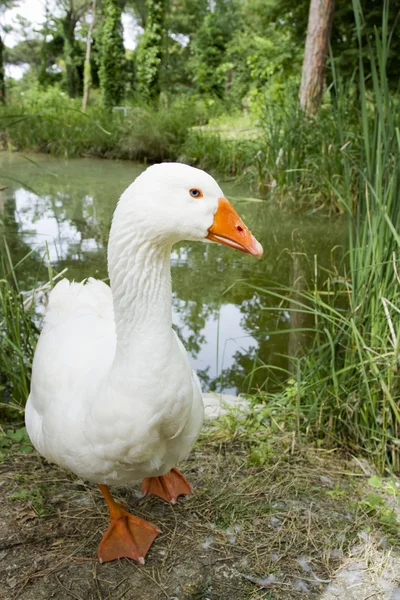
(346, 388)
(18, 336)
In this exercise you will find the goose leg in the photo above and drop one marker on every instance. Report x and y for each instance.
(127, 536)
(168, 487)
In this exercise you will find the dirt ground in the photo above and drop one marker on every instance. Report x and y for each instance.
(278, 521)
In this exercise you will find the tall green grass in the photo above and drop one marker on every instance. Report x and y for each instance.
(18, 336)
(346, 388)
(294, 160)
(48, 121)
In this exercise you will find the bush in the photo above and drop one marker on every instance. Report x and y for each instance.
(48, 121)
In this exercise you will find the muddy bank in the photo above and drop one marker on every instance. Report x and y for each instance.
(266, 520)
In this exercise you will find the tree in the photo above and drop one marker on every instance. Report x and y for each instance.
(209, 50)
(4, 5)
(184, 16)
(112, 55)
(150, 51)
(316, 51)
(139, 10)
(44, 50)
(87, 71)
(211, 69)
(74, 12)
(2, 74)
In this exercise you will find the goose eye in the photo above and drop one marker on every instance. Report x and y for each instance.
(195, 193)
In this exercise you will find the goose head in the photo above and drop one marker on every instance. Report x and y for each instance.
(171, 202)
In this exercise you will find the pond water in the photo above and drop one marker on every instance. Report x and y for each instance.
(228, 328)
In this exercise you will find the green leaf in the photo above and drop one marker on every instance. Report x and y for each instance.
(26, 449)
(20, 495)
(375, 482)
(373, 500)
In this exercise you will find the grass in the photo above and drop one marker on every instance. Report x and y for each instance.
(346, 388)
(18, 337)
(294, 160)
(48, 121)
(21, 313)
(282, 527)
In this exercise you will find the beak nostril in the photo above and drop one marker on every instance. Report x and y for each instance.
(239, 228)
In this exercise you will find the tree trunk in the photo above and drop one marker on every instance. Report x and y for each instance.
(87, 74)
(317, 45)
(2, 74)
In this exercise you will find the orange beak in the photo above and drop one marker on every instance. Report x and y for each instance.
(229, 229)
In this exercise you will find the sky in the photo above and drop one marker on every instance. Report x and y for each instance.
(33, 11)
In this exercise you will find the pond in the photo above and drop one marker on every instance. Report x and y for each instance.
(64, 207)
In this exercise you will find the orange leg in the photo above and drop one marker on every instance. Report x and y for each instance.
(127, 536)
(168, 487)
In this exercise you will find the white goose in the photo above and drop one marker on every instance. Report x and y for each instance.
(113, 396)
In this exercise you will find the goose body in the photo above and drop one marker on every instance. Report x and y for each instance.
(86, 418)
(113, 396)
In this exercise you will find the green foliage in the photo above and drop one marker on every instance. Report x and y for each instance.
(295, 161)
(2, 74)
(26, 51)
(346, 33)
(263, 51)
(18, 336)
(208, 63)
(150, 51)
(376, 508)
(239, 52)
(112, 56)
(184, 16)
(49, 51)
(71, 59)
(284, 20)
(48, 121)
(14, 440)
(362, 345)
(181, 23)
(209, 150)
(375, 481)
(349, 380)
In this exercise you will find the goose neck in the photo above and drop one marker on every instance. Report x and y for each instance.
(140, 277)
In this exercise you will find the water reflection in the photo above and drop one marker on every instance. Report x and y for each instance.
(229, 329)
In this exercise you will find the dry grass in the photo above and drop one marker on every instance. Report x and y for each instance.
(277, 530)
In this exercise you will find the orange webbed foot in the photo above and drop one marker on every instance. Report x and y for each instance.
(127, 536)
(168, 487)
